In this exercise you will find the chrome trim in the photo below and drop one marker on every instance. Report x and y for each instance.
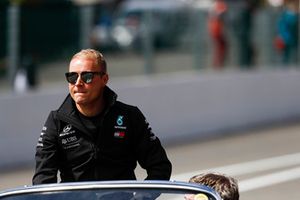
(109, 185)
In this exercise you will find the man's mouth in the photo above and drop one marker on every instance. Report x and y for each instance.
(80, 92)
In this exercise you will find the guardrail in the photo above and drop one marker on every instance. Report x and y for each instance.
(178, 106)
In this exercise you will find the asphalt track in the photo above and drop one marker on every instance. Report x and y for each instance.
(266, 162)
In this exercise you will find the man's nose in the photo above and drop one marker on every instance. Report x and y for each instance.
(79, 81)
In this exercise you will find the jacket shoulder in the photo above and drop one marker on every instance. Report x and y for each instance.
(132, 110)
(126, 107)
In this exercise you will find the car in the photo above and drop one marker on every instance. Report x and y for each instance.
(162, 22)
(165, 21)
(110, 190)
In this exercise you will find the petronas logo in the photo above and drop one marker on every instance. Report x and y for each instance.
(120, 120)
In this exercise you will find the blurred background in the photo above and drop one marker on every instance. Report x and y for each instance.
(146, 36)
(214, 77)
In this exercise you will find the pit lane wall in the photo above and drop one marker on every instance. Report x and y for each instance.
(178, 106)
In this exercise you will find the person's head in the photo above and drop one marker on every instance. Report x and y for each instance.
(292, 5)
(225, 186)
(87, 77)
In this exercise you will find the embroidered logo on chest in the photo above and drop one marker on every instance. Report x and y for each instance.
(120, 123)
(120, 128)
(120, 134)
(68, 137)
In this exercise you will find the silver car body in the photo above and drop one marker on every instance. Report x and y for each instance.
(103, 190)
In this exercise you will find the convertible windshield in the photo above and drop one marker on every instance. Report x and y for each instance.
(122, 190)
(109, 194)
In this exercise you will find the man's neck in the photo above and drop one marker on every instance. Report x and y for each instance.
(91, 110)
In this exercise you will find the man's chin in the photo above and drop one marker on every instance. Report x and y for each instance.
(80, 96)
(80, 101)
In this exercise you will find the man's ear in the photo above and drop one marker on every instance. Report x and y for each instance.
(105, 78)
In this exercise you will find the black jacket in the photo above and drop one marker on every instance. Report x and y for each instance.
(124, 137)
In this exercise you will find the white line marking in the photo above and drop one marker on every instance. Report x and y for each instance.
(247, 167)
(256, 166)
(270, 179)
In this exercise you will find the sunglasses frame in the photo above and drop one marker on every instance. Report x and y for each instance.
(86, 76)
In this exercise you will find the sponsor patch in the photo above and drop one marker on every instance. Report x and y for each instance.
(40, 140)
(120, 123)
(120, 127)
(67, 128)
(68, 137)
(69, 140)
(40, 145)
(120, 120)
(119, 134)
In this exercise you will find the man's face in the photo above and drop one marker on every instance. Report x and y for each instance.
(86, 93)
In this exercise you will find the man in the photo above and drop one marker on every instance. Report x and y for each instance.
(92, 136)
(216, 29)
(286, 40)
(225, 186)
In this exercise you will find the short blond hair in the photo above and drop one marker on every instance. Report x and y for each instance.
(94, 55)
(226, 186)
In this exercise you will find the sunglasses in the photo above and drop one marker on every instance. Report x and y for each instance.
(86, 77)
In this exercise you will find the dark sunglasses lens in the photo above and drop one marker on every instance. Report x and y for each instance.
(87, 77)
(72, 77)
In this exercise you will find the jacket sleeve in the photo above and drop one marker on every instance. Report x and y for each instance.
(150, 153)
(46, 156)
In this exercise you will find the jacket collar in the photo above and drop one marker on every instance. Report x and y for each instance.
(68, 106)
